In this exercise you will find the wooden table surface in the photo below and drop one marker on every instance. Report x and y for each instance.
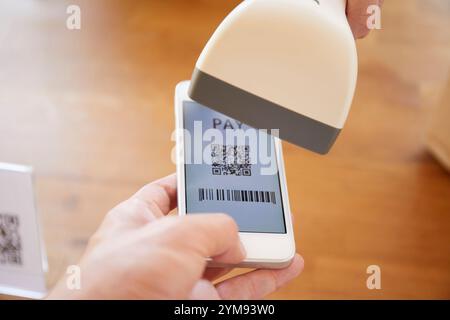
(92, 111)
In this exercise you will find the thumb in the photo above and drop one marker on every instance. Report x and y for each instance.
(214, 236)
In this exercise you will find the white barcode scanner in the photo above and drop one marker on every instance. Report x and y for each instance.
(282, 64)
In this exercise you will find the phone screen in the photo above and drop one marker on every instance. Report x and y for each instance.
(231, 168)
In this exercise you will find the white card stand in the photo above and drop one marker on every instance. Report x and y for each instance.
(23, 262)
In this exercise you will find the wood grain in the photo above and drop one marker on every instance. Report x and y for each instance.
(92, 111)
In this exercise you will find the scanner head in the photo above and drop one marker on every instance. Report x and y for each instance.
(289, 65)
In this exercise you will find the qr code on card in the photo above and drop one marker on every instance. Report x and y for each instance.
(10, 244)
(231, 160)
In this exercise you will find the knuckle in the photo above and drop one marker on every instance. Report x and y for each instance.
(183, 227)
(135, 204)
(95, 239)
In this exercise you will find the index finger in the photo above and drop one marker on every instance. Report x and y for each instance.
(259, 283)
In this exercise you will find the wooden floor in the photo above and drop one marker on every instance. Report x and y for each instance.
(92, 111)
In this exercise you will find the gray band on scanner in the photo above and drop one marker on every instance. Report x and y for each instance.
(260, 113)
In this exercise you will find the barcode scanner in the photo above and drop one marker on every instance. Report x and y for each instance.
(282, 64)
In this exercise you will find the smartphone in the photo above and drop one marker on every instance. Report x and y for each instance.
(226, 166)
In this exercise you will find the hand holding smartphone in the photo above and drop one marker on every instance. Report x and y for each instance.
(226, 166)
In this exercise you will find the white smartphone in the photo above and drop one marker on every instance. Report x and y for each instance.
(226, 166)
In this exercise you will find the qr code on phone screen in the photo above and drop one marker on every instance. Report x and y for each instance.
(10, 245)
(231, 160)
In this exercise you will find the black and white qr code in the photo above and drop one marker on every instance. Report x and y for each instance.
(231, 160)
(10, 244)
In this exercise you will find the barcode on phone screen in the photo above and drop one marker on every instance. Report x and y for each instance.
(209, 194)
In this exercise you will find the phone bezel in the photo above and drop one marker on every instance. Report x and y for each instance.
(263, 249)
